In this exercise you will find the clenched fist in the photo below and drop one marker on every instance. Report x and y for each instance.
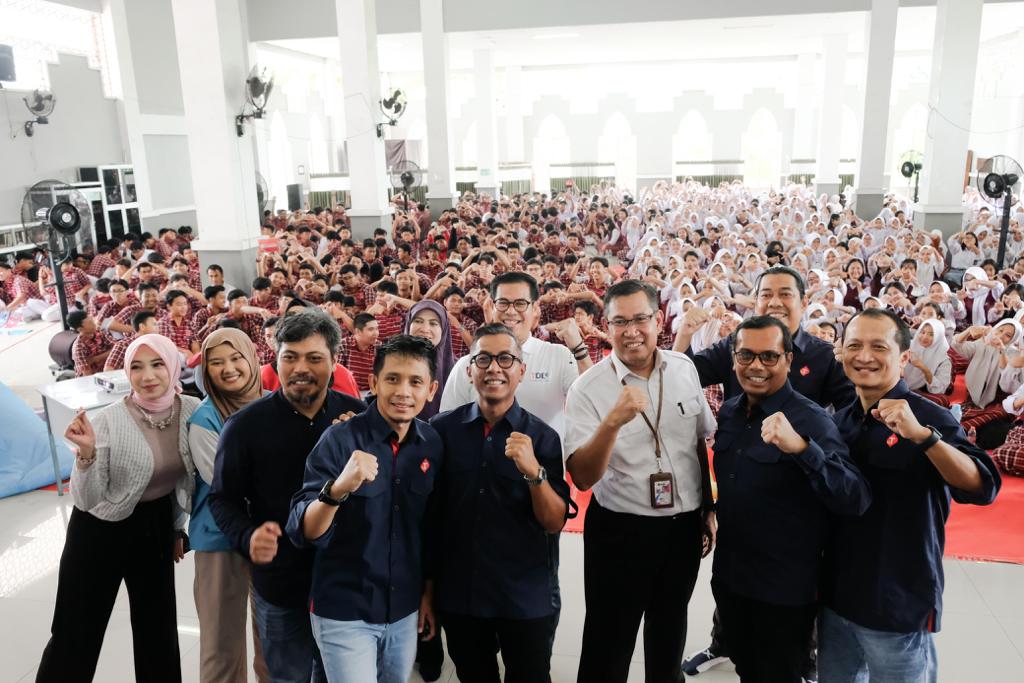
(694, 319)
(777, 431)
(263, 543)
(519, 449)
(362, 466)
(632, 401)
(899, 418)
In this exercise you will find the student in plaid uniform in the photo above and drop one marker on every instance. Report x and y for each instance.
(176, 325)
(359, 351)
(91, 347)
(143, 322)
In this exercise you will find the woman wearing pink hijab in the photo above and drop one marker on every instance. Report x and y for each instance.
(131, 485)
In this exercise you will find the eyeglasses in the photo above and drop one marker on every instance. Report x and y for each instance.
(483, 360)
(638, 321)
(768, 358)
(519, 304)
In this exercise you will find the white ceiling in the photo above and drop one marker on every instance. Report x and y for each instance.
(709, 39)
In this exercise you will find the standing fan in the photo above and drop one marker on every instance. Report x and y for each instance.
(51, 213)
(999, 179)
(40, 104)
(262, 194)
(405, 176)
(258, 86)
(911, 163)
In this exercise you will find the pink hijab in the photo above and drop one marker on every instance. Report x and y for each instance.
(168, 352)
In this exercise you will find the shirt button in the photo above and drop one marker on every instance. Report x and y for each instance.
(398, 480)
(483, 464)
(396, 507)
(481, 491)
(732, 476)
(489, 438)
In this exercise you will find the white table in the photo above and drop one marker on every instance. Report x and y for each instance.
(62, 401)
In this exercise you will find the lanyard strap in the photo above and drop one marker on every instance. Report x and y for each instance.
(657, 424)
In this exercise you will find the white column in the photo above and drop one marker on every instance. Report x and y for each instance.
(514, 144)
(830, 120)
(804, 119)
(881, 49)
(951, 95)
(441, 170)
(486, 124)
(357, 32)
(212, 41)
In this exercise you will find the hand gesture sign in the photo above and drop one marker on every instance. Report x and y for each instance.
(777, 431)
(693, 319)
(361, 466)
(80, 433)
(519, 449)
(632, 401)
(897, 416)
(263, 543)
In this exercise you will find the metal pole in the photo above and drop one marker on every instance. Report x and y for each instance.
(58, 278)
(1004, 228)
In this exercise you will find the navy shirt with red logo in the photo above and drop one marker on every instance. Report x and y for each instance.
(884, 569)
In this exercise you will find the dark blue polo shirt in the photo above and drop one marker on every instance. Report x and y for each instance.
(260, 459)
(369, 562)
(884, 569)
(772, 506)
(814, 372)
(494, 558)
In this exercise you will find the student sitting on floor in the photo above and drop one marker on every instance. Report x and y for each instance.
(985, 347)
(929, 370)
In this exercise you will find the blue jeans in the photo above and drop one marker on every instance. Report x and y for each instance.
(287, 641)
(360, 652)
(848, 653)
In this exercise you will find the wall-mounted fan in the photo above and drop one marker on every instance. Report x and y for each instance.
(393, 106)
(405, 177)
(999, 179)
(258, 86)
(911, 163)
(52, 212)
(262, 194)
(40, 104)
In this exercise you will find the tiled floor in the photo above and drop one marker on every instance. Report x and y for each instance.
(982, 637)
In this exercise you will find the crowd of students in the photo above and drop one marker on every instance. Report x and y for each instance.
(392, 529)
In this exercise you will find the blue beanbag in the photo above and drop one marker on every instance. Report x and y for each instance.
(25, 461)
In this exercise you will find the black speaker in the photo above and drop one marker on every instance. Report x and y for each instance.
(6, 63)
(294, 197)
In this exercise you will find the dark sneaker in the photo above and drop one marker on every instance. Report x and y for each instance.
(702, 661)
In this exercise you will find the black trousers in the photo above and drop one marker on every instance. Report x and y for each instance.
(636, 567)
(721, 648)
(767, 643)
(474, 641)
(99, 555)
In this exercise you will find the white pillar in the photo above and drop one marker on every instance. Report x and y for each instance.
(212, 41)
(486, 124)
(441, 170)
(951, 95)
(881, 49)
(803, 114)
(830, 120)
(514, 114)
(357, 32)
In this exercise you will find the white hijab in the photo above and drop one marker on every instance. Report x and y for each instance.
(930, 356)
(978, 316)
(982, 377)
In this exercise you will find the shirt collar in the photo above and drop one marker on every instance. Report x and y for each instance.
(621, 371)
(381, 431)
(513, 416)
(800, 339)
(287, 405)
(772, 404)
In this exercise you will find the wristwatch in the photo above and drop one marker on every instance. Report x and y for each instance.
(542, 476)
(933, 439)
(325, 495)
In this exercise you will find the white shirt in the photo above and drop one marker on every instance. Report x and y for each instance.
(550, 371)
(686, 417)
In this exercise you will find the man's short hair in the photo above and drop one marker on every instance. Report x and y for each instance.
(214, 266)
(261, 283)
(629, 288)
(409, 346)
(140, 318)
(588, 307)
(361, 320)
(144, 286)
(782, 270)
(902, 329)
(212, 291)
(305, 324)
(173, 294)
(76, 319)
(515, 278)
(763, 322)
(235, 294)
(492, 329)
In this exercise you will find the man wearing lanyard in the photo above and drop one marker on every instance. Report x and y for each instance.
(882, 584)
(814, 373)
(362, 505)
(781, 468)
(501, 494)
(636, 424)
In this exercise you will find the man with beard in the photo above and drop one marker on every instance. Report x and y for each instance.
(260, 463)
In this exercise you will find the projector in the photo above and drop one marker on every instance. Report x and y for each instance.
(114, 382)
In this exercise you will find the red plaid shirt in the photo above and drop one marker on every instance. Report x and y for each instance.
(115, 361)
(358, 362)
(391, 324)
(181, 334)
(75, 280)
(97, 303)
(99, 265)
(431, 270)
(110, 310)
(83, 349)
(23, 286)
(126, 314)
(271, 304)
(596, 347)
(459, 348)
(553, 313)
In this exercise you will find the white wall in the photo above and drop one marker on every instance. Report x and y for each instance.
(83, 131)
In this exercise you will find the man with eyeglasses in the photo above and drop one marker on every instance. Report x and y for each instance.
(636, 424)
(814, 372)
(501, 496)
(782, 469)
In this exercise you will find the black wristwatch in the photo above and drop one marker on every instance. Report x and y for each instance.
(542, 476)
(325, 495)
(933, 439)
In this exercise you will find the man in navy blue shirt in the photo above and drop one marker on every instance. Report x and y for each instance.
(882, 586)
(501, 493)
(260, 459)
(813, 372)
(781, 468)
(363, 506)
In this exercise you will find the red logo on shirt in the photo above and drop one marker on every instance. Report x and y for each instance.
(805, 371)
(425, 465)
(891, 441)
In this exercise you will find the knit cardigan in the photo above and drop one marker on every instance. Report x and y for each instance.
(111, 487)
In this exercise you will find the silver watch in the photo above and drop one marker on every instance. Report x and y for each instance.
(542, 476)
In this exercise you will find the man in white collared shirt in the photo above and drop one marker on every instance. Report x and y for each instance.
(650, 519)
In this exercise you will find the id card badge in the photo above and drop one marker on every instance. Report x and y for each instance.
(662, 490)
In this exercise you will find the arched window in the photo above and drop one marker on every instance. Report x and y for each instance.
(617, 145)
(692, 141)
(281, 172)
(550, 146)
(318, 152)
(762, 150)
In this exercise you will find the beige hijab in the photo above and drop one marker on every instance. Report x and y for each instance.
(228, 403)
